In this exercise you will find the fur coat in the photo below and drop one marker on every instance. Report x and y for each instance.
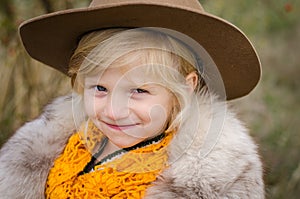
(211, 157)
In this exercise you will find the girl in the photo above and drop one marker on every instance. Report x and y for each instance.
(146, 119)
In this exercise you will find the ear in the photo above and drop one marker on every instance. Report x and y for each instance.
(191, 81)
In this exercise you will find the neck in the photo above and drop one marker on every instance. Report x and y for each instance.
(109, 149)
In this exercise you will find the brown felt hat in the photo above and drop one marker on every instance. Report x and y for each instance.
(52, 38)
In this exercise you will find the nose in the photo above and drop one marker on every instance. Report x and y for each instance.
(116, 107)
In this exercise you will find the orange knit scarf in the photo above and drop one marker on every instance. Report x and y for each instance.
(126, 176)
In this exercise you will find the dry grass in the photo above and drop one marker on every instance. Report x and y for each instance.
(272, 112)
(26, 86)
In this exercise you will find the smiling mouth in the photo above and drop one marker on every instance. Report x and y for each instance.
(120, 127)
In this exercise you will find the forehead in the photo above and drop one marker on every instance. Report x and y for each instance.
(142, 66)
(143, 57)
(129, 74)
(145, 63)
(133, 73)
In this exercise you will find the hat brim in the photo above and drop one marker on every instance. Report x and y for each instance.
(52, 38)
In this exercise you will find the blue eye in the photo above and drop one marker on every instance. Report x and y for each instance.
(100, 88)
(139, 90)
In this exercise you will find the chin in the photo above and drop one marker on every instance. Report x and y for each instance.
(121, 144)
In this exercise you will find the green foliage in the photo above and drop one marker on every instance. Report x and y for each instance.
(257, 16)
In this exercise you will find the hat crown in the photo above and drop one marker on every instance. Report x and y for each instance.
(185, 4)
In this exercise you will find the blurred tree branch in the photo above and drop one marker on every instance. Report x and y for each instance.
(6, 9)
(7, 22)
(47, 5)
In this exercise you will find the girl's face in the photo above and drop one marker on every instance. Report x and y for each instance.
(127, 105)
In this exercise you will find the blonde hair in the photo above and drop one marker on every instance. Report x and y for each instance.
(167, 59)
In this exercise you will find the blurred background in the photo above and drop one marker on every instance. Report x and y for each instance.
(271, 111)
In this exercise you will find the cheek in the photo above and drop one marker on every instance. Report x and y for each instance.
(91, 106)
(155, 115)
(161, 114)
(158, 112)
(155, 111)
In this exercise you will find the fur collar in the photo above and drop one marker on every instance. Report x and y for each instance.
(212, 156)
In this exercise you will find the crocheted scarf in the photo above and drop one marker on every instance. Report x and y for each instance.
(124, 174)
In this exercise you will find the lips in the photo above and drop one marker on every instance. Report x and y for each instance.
(120, 127)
